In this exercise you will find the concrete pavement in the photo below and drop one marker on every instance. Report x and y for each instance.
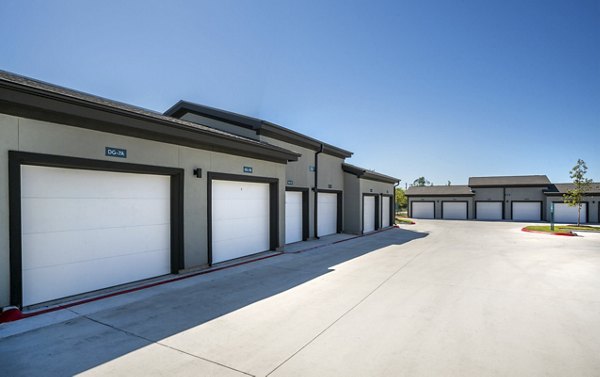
(450, 298)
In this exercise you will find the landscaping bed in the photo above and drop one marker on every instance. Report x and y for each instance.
(403, 220)
(561, 230)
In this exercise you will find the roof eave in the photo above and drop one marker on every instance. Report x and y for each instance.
(22, 100)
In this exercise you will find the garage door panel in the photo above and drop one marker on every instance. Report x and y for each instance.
(454, 210)
(526, 211)
(293, 216)
(489, 210)
(78, 238)
(45, 182)
(239, 219)
(94, 213)
(77, 246)
(422, 210)
(385, 211)
(368, 214)
(41, 284)
(230, 209)
(240, 191)
(563, 213)
(245, 227)
(327, 214)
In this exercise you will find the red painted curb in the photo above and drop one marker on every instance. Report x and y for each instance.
(14, 314)
(571, 234)
(10, 315)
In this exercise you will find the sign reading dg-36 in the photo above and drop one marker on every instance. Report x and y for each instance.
(115, 152)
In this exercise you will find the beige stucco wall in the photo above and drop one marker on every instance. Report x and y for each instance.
(331, 175)
(27, 135)
(489, 193)
(298, 172)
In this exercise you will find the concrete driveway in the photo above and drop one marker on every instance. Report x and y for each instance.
(440, 298)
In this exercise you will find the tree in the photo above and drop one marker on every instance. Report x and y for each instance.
(401, 200)
(582, 184)
(421, 181)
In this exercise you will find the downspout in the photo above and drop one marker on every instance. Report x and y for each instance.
(394, 219)
(316, 189)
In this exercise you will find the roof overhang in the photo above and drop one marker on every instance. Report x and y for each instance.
(261, 127)
(368, 174)
(36, 103)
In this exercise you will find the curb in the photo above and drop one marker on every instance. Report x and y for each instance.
(12, 313)
(570, 234)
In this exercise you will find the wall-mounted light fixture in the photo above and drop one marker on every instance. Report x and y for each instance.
(198, 172)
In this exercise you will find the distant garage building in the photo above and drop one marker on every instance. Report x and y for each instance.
(518, 198)
(563, 213)
(440, 202)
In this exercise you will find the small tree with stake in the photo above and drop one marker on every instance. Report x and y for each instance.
(574, 197)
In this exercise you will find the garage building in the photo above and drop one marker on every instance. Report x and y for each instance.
(440, 202)
(318, 166)
(518, 198)
(99, 193)
(563, 213)
(369, 200)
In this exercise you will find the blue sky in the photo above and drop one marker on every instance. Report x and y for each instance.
(441, 89)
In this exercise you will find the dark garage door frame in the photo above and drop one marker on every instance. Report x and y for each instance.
(453, 201)
(305, 225)
(376, 214)
(16, 159)
(490, 201)
(527, 201)
(273, 205)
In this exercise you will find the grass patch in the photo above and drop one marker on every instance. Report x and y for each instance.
(403, 220)
(564, 228)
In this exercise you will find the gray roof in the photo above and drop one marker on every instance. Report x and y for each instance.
(36, 89)
(562, 188)
(509, 180)
(262, 126)
(453, 190)
(368, 174)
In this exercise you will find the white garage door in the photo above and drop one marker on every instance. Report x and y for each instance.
(422, 210)
(454, 210)
(85, 230)
(368, 214)
(326, 214)
(385, 211)
(526, 211)
(563, 213)
(489, 210)
(293, 216)
(240, 219)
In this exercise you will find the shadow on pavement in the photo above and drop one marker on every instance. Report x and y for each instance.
(83, 343)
